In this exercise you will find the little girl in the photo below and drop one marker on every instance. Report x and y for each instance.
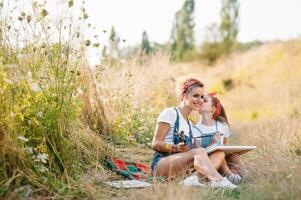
(213, 128)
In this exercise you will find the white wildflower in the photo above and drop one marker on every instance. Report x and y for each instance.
(29, 150)
(39, 114)
(43, 157)
(35, 87)
(43, 169)
(24, 139)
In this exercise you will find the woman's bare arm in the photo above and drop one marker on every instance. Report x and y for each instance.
(158, 144)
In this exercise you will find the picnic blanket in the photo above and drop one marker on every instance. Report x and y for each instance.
(130, 170)
(139, 175)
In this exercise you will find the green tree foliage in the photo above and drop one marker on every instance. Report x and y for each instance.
(229, 24)
(182, 36)
(145, 44)
(111, 53)
(211, 49)
(221, 39)
(114, 43)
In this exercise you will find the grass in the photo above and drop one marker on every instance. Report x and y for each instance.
(45, 142)
(59, 118)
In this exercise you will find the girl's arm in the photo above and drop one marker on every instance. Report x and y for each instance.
(226, 140)
(158, 144)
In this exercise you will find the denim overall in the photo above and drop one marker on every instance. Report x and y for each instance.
(176, 139)
(207, 138)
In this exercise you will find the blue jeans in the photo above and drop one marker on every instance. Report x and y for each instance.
(156, 158)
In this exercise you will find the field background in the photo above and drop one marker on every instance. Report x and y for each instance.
(60, 117)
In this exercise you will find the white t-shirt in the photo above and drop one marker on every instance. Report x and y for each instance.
(169, 116)
(201, 129)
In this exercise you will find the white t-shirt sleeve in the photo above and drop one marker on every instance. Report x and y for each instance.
(168, 116)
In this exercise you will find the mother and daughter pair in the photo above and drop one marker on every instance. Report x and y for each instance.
(173, 158)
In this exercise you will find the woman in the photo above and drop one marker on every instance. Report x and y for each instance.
(173, 145)
(213, 128)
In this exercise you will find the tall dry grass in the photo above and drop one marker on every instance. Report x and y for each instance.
(132, 92)
(265, 81)
(45, 141)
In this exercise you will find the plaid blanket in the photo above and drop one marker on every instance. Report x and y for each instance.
(130, 170)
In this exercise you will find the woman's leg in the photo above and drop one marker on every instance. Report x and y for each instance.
(179, 163)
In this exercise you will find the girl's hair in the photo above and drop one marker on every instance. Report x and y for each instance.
(189, 84)
(220, 113)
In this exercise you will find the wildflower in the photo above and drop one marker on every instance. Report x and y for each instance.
(70, 3)
(24, 139)
(39, 114)
(29, 150)
(44, 13)
(43, 169)
(35, 87)
(28, 18)
(43, 157)
(87, 42)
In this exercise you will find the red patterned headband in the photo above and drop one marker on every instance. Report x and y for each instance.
(218, 105)
(189, 83)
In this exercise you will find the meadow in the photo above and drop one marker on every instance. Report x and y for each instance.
(59, 117)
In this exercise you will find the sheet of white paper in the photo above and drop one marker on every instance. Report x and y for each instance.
(128, 184)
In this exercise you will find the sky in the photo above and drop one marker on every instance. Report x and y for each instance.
(259, 19)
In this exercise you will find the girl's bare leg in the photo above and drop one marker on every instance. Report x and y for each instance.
(179, 163)
(224, 169)
(230, 165)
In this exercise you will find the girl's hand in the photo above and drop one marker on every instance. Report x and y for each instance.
(196, 143)
(217, 138)
(182, 147)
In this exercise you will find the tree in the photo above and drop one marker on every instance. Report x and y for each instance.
(212, 47)
(145, 45)
(114, 44)
(110, 53)
(182, 36)
(229, 24)
(221, 39)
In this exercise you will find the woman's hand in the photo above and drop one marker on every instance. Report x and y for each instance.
(181, 147)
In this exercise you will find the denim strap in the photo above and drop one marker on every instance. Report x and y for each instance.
(176, 128)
